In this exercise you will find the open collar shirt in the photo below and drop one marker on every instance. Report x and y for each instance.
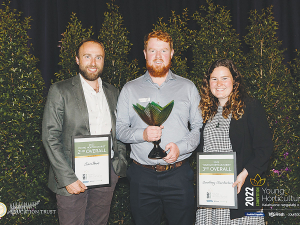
(99, 115)
(182, 126)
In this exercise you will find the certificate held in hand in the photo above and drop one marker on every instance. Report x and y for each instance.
(91, 159)
(216, 174)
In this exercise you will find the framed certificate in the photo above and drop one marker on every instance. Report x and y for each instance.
(216, 172)
(91, 159)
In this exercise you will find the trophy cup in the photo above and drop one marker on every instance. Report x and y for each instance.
(154, 115)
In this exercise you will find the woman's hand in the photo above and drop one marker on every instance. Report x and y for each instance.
(240, 180)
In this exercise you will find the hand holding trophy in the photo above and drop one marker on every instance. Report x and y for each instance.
(154, 115)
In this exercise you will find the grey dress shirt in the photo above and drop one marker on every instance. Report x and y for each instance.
(142, 90)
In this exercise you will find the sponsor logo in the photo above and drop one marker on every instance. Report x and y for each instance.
(272, 214)
(3, 209)
(254, 214)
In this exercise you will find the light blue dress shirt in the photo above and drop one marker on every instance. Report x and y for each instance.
(130, 126)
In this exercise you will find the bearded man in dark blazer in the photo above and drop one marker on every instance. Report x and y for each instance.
(81, 105)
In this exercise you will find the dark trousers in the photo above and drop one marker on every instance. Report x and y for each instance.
(88, 208)
(153, 192)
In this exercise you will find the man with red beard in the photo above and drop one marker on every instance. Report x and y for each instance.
(81, 106)
(166, 184)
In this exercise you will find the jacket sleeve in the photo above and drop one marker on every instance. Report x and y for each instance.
(120, 165)
(261, 139)
(52, 129)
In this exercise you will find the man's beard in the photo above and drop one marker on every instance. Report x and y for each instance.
(90, 76)
(156, 71)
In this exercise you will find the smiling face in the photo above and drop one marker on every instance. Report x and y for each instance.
(90, 60)
(158, 57)
(221, 84)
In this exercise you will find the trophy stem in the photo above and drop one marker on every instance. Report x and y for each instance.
(157, 152)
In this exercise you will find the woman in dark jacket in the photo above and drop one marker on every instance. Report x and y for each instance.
(233, 122)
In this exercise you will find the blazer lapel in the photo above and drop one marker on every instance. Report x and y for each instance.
(80, 99)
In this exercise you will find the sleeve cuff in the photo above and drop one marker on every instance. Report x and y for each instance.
(138, 135)
(182, 146)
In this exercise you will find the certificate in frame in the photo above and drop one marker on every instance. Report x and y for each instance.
(216, 172)
(91, 159)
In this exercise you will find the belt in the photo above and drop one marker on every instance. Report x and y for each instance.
(161, 168)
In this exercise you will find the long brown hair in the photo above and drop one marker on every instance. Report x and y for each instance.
(235, 104)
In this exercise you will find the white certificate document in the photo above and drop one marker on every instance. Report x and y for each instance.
(216, 174)
(91, 159)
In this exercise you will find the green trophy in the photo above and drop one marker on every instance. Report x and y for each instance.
(154, 115)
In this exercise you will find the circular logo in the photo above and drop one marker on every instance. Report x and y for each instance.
(3, 209)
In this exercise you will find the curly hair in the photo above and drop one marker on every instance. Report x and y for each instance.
(235, 104)
(160, 35)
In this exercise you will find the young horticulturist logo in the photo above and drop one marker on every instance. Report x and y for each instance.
(257, 181)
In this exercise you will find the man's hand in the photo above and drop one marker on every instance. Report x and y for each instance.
(76, 187)
(173, 154)
(240, 180)
(152, 133)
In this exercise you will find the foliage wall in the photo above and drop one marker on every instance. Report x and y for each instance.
(73, 35)
(271, 81)
(23, 167)
(117, 69)
(267, 77)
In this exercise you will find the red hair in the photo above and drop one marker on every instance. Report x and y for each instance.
(160, 35)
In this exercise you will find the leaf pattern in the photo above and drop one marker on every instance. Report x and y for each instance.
(154, 114)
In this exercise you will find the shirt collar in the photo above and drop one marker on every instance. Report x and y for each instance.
(88, 87)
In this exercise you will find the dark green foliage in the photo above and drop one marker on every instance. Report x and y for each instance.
(68, 46)
(271, 82)
(295, 67)
(120, 209)
(177, 28)
(23, 168)
(215, 38)
(117, 69)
